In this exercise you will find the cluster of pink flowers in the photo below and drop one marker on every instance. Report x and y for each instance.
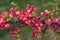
(4, 21)
(39, 24)
(14, 31)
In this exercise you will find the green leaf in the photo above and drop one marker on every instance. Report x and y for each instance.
(33, 14)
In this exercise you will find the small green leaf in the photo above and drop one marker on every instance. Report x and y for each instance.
(33, 14)
(8, 19)
(6, 16)
(13, 3)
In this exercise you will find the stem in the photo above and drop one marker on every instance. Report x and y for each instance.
(17, 37)
(18, 21)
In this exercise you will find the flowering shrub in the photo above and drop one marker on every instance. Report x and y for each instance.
(39, 24)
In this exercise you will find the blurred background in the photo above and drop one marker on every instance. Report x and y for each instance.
(41, 5)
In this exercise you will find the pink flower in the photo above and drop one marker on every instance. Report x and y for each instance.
(28, 22)
(11, 15)
(4, 14)
(18, 30)
(1, 20)
(12, 32)
(35, 33)
(48, 22)
(54, 19)
(31, 8)
(46, 12)
(2, 27)
(42, 14)
(19, 25)
(35, 9)
(17, 12)
(12, 10)
(7, 25)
